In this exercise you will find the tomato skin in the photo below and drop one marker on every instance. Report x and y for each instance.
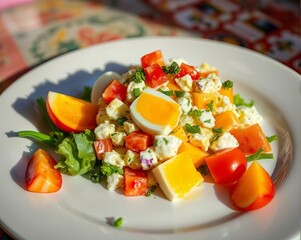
(251, 139)
(227, 166)
(115, 90)
(138, 141)
(155, 75)
(188, 69)
(135, 182)
(40, 175)
(152, 58)
(254, 189)
(101, 146)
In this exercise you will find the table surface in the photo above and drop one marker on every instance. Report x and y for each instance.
(34, 31)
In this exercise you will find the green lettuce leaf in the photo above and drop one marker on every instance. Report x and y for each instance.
(78, 156)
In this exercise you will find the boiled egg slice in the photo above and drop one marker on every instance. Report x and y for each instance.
(155, 113)
(177, 176)
(101, 83)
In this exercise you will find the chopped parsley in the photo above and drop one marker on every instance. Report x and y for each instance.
(168, 92)
(179, 94)
(260, 155)
(108, 169)
(165, 140)
(138, 76)
(195, 113)
(151, 190)
(239, 101)
(136, 92)
(192, 129)
(121, 120)
(218, 132)
(118, 222)
(172, 69)
(227, 84)
(210, 105)
(272, 138)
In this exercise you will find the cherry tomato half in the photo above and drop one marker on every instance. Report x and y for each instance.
(227, 166)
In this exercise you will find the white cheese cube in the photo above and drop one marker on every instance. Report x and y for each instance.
(185, 104)
(132, 159)
(130, 97)
(187, 119)
(104, 130)
(130, 126)
(118, 138)
(226, 140)
(113, 158)
(185, 83)
(117, 109)
(248, 115)
(224, 104)
(166, 146)
(210, 84)
(206, 119)
(114, 181)
(148, 158)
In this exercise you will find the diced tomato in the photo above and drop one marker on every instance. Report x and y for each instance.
(155, 75)
(138, 141)
(227, 166)
(254, 189)
(188, 69)
(251, 139)
(41, 176)
(101, 146)
(152, 58)
(135, 182)
(115, 90)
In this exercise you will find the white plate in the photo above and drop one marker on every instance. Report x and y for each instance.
(81, 209)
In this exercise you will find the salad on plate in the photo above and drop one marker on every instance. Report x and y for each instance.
(162, 124)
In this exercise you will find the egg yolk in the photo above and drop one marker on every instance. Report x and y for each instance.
(158, 110)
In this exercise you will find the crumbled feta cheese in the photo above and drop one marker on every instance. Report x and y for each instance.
(114, 181)
(118, 138)
(130, 97)
(185, 82)
(202, 139)
(210, 84)
(130, 126)
(148, 158)
(113, 158)
(187, 119)
(224, 104)
(166, 146)
(104, 130)
(226, 140)
(185, 104)
(132, 159)
(248, 115)
(206, 119)
(117, 109)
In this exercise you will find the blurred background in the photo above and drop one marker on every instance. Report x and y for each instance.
(33, 31)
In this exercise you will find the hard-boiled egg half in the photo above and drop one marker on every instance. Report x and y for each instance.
(155, 113)
(177, 176)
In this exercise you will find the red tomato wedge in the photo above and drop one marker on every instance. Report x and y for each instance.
(135, 182)
(71, 114)
(138, 141)
(251, 139)
(115, 90)
(227, 166)
(254, 189)
(190, 70)
(155, 76)
(101, 146)
(152, 58)
(41, 176)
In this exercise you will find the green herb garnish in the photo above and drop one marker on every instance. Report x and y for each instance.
(227, 84)
(192, 129)
(210, 105)
(121, 120)
(179, 94)
(136, 92)
(272, 138)
(259, 155)
(239, 101)
(172, 69)
(138, 76)
(167, 92)
(118, 222)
